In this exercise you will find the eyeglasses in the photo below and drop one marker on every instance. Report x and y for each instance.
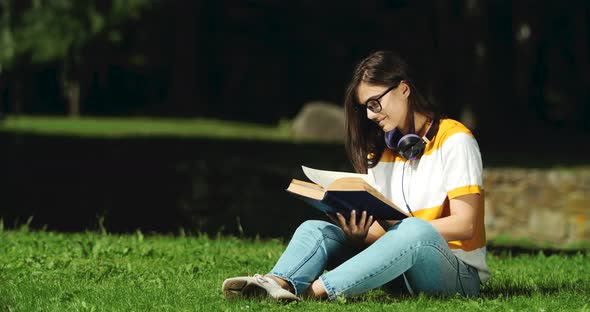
(374, 105)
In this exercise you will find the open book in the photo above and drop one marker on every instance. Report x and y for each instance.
(342, 192)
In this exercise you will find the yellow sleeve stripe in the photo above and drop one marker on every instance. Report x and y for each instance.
(429, 213)
(478, 240)
(464, 190)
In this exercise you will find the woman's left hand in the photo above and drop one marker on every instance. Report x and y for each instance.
(356, 232)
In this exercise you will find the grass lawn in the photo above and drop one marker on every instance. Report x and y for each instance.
(119, 127)
(47, 271)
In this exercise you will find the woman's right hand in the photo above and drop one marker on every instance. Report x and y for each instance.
(356, 232)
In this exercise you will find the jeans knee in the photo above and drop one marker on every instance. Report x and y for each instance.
(316, 228)
(417, 229)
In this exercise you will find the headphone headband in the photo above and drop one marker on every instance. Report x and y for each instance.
(432, 130)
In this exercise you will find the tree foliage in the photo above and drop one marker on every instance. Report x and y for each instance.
(57, 31)
(53, 30)
(7, 44)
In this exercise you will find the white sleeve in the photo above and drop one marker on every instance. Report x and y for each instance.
(462, 165)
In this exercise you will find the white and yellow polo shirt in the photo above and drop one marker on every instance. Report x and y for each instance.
(451, 166)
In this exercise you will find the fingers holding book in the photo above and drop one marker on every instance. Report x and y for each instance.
(355, 228)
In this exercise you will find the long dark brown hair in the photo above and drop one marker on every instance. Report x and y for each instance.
(364, 137)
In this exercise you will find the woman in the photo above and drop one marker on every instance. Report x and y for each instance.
(430, 167)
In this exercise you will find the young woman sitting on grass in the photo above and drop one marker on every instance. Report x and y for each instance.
(429, 166)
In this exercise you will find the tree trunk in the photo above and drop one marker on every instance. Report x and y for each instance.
(2, 88)
(185, 85)
(500, 118)
(1, 102)
(18, 95)
(449, 48)
(476, 58)
(526, 31)
(73, 97)
(70, 89)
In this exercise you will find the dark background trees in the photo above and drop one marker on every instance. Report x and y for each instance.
(501, 66)
(516, 72)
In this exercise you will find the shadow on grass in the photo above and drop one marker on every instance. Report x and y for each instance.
(487, 293)
(510, 251)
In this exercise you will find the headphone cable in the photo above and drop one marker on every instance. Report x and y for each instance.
(404, 193)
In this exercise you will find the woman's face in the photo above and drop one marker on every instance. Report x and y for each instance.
(394, 105)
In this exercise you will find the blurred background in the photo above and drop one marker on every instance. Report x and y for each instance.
(516, 72)
(523, 62)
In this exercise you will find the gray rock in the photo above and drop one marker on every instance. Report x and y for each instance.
(319, 121)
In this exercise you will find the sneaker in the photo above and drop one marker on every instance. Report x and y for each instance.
(257, 285)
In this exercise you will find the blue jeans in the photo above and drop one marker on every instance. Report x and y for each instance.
(411, 255)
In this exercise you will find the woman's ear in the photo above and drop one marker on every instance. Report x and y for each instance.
(405, 88)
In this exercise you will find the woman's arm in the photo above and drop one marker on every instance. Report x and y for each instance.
(375, 232)
(460, 224)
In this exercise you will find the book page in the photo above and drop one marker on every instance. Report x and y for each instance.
(325, 177)
(307, 189)
(355, 184)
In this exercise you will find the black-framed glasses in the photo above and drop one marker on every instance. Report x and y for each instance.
(374, 105)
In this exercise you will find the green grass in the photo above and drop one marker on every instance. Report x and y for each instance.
(47, 271)
(113, 127)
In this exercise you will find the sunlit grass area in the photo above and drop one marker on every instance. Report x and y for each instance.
(47, 271)
(143, 126)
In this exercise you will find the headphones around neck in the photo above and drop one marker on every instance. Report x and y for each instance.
(410, 146)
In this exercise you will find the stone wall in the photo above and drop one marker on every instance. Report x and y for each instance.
(541, 205)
